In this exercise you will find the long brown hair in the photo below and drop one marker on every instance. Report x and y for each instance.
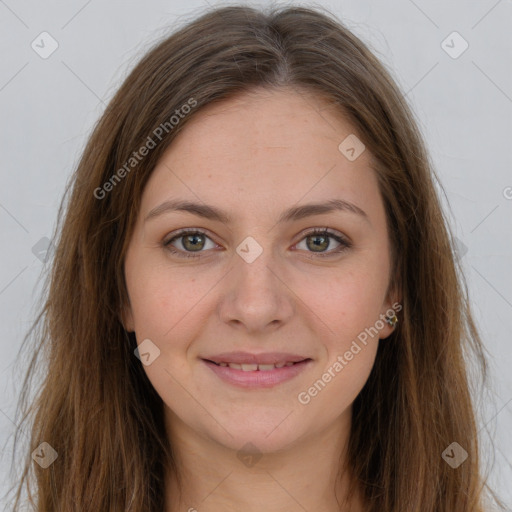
(96, 407)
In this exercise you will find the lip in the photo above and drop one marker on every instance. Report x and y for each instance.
(262, 358)
(258, 378)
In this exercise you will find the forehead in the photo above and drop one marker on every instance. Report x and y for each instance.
(263, 119)
(260, 148)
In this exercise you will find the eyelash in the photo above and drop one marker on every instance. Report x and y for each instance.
(345, 244)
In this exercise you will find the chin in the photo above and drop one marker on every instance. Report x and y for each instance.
(263, 434)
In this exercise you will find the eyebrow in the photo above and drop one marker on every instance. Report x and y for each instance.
(292, 214)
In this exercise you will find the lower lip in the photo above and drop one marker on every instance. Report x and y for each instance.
(258, 378)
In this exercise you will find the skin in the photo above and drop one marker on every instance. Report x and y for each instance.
(254, 156)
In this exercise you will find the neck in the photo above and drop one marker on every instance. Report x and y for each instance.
(301, 477)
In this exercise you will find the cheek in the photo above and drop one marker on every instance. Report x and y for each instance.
(347, 310)
(350, 310)
(165, 307)
(332, 392)
(161, 299)
(345, 302)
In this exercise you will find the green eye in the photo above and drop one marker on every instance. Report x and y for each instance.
(194, 241)
(191, 241)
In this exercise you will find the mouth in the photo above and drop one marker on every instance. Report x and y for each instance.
(257, 375)
(252, 367)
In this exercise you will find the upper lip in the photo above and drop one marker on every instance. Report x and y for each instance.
(263, 358)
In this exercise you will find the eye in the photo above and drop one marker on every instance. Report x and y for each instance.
(192, 241)
(318, 240)
(189, 241)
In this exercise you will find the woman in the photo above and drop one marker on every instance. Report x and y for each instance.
(254, 299)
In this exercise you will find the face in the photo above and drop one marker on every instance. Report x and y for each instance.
(258, 278)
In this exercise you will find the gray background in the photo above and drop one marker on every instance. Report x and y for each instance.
(464, 104)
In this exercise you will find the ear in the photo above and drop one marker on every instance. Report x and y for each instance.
(126, 318)
(390, 308)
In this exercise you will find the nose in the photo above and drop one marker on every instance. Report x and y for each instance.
(256, 297)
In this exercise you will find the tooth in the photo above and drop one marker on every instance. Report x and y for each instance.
(249, 367)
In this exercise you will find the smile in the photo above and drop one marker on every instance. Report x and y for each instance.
(248, 367)
(251, 375)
